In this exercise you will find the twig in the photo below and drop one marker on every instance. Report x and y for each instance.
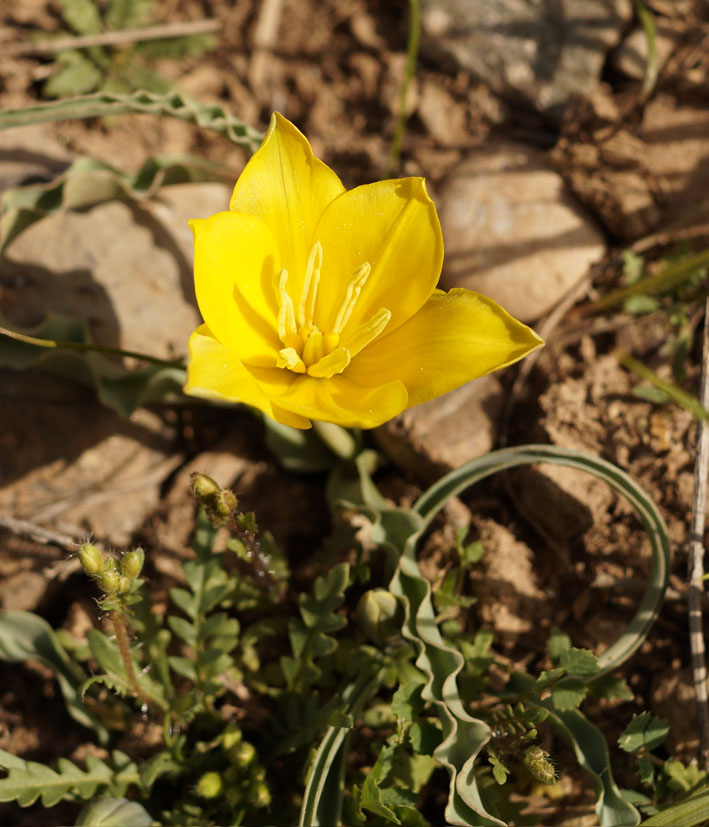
(35, 532)
(117, 38)
(265, 36)
(696, 561)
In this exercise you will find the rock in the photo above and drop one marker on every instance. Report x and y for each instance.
(540, 53)
(442, 115)
(631, 56)
(437, 436)
(513, 232)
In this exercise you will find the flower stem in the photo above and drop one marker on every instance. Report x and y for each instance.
(338, 439)
(119, 628)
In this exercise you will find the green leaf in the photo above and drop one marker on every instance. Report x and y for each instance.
(407, 702)
(558, 643)
(88, 182)
(183, 667)
(206, 116)
(568, 693)
(114, 812)
(118, 388)
(372, 800)
(129, 14)
(26, 636)
(643, 732)
(77, 75)
(82, 16)
(28, 780)
(183, 629)
(579, 662)
(688, 813)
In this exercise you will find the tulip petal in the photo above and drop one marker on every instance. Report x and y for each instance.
(288, 188)
(455, 337)
(214, 372)
(394, 227)
(235, 261)
(336, 400)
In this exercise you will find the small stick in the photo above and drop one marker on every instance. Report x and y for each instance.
(117, 38)
(696, 561)
(35, 532)
(265, 35)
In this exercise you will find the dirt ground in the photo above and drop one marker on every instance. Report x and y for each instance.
(563, 551)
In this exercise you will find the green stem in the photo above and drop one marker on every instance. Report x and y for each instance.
(113, 351)
(338, 439)
(687, 400)
(119, 628)
(412, 52)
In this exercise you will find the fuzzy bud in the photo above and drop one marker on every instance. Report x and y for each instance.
(231, 737)
(210, 785)
(132, 563)
(242, 754)
(91, 559)
(537, 762)
(260, 795)
(109, 581)
(219, 503)
(380, 616)
(123, 585)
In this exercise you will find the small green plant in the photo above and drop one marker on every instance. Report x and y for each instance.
(116, 70)
(261, 693)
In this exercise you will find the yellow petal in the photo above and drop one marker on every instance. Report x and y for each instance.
(288, 188)
(455, 337)
(336, 400)
(234, 266)
(214, 372)
(393, 225)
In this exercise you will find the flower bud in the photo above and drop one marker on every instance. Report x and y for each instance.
(380, 616)
(537, 762)
(203, 487)
(210, 785)
(219, 503)
(109, 581)
(123, 585)
(231, 737)
(260, 795)
(242, 754)
(132, 563)
(91, 559)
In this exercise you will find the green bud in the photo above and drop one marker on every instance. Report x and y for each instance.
(242, 754)
(380, 616)
(123, 585)
(537, 762)
(132, 563)
(91, 559)
(109, 581)
(231, 737)
(203, 487)
(260, 795)
(210, 785)
(219, 503)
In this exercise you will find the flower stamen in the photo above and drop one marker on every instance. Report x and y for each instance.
(367, 332)
(354, 288)
(287, 330)
(306, 310)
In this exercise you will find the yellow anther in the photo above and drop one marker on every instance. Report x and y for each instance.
(354, 288)
(331, 364)
(368, 331)
(306, 309)
(288, 358)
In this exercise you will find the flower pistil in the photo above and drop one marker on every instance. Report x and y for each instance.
(306, 347)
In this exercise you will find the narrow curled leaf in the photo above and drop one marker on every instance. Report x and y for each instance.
(207, 116)
(88, 182)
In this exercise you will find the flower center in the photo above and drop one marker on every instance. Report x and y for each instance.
(308, 349)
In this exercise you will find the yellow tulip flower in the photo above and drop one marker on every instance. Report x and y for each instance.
(320, 303)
